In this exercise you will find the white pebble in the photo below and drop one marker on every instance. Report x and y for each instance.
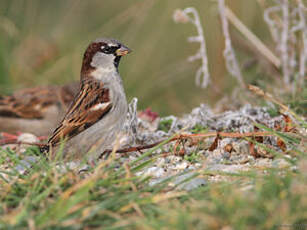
(28, 137)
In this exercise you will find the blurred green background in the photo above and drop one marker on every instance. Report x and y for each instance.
(42, 42)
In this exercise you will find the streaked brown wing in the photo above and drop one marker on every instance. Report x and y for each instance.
(27, 103)
(89, 106)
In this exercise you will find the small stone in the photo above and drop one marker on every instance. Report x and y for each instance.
(228, 168)
(280, 163)
(28, 137)
(241, 147)
(225, 141)
(217, 156)
(132, 158)
(226, 155)
(26, 164)
(152, 171)
(160, 162)
(190, 184)
(241, 158)
(263, 162)
(182, 166)
(173, 159)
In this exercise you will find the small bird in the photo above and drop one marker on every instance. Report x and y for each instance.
(36, 110)
(98, 112)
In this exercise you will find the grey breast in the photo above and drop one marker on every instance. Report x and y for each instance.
(102, 134)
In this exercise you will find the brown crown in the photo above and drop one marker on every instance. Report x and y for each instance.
(91, 50)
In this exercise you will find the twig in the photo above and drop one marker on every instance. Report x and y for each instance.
(203, 72)
(269, 97)
(288, 26)
(284, 41)
(266, 52)
(272, 24)
(132, 120)
(279, 29)
(229, 54)
(303, 53)
(189, 136)
(179, 137)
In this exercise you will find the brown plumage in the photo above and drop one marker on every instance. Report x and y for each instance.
(97, 114)
(36, 110)
(92, 93)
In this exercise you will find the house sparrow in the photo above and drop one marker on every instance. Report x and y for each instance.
(35, 110)
(98, 111)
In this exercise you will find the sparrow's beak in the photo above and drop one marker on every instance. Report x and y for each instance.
(122, 51)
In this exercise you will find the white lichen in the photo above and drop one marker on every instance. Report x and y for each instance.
(190, 14)
(229, 54)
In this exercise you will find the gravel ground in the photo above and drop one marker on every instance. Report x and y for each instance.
(231, 155)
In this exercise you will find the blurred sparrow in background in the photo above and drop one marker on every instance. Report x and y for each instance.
(35, 110)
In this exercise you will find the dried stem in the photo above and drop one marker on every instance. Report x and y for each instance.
(266, 52)
(303, 54)
(229, 54)
(284, 41)
(270, 98)
(273, 27)
(288, 27)
(132, 119)
(202, 75)
(191, 136)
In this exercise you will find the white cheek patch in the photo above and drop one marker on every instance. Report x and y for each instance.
(100, 106)
(103, 64)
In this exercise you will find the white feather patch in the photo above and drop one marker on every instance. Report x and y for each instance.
(100, 72)
(112, 44)
(100, 106)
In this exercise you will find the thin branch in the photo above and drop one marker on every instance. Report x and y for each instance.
(273, 27)
(262, 48)
(191, 136)
(202, 75)
(303, 53)
(270, 98)
(132, 120)
(229, 54)
(284, 41)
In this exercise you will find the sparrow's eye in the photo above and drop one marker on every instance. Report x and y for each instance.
(106, 49)
(109, 49)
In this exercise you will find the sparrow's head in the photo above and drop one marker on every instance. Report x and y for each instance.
(104, 54)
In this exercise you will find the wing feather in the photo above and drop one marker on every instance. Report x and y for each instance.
(89, 106)
(27, 103)
(30, 103)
